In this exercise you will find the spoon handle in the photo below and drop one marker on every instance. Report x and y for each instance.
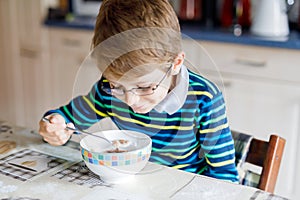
(80, 131)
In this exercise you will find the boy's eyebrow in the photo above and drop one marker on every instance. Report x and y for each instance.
(137, 84)
(105, 80)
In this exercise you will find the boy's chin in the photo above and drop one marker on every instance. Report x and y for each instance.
(142, 110)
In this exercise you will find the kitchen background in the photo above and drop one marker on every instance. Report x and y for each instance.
(250, 48)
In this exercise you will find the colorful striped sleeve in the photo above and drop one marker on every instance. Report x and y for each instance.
(217, 145)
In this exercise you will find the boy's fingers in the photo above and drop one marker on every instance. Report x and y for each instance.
(71, 125)
(56, 123)
(55, 127)
(56, 119)
(70, 132)
(57, 138)
(54, 132)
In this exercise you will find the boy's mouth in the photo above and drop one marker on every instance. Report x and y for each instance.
(139, 109)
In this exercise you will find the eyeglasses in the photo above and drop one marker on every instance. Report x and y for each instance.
(140, 91)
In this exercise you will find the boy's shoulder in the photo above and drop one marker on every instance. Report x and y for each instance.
(200, 84)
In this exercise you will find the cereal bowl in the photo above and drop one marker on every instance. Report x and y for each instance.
(111, 166)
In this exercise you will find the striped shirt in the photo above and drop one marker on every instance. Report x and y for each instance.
(196, 138)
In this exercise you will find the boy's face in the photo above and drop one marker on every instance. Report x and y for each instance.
(157, 83)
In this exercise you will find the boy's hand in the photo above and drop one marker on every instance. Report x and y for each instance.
(54, 132)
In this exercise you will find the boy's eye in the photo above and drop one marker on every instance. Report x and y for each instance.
(144, 87)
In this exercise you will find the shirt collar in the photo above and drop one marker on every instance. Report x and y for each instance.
(176, 97)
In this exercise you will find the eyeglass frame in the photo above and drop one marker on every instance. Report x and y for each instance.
(133, 90)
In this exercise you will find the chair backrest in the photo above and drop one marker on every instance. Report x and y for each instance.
(265, 154)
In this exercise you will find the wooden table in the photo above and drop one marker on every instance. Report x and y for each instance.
(59, 173)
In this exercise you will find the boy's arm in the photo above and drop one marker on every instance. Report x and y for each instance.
(217, 145)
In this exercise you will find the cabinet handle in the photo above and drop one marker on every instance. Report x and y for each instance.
(251, 62)
(28, 53)
(70, 42)
(224, 84)
(227, 83)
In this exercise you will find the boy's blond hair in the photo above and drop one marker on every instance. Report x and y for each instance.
(131, 33)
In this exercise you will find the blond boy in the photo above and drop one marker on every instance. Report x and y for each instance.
(146, 87)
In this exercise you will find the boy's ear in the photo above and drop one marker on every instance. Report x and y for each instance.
(178, 63)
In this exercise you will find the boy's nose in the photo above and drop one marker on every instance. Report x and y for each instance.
(131, 98)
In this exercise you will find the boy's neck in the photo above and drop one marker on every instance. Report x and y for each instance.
(173, 82)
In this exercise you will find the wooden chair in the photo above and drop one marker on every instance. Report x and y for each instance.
(268, 155)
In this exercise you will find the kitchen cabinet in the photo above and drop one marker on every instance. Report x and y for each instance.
(24, 61)
(262, 93)
(7, 69)
(69, 70)
(33, 61)
(263, 108)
